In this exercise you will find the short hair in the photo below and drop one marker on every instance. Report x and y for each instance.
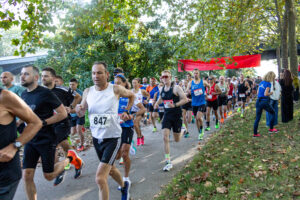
(196, 69)
(166, 71)
(101, 63)
(51, 70)
(137, 79)
(118, 70)
(34, 68)
(59, 77)
(73, 80)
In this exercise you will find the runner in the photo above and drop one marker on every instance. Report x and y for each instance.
(173, 97)
(187, 109)
(42, 101)
(161, 109)
(144, 87)
(230, 96)
(197, 90)
(152, 89)
(7, 79)
(249, 94)
(222, 98)
(212, 93)
(102, 102)
(243, 88)
(77, 123)
(138, 110)
(62, 129)
(59, 81)
(12, 106)
(126, 125)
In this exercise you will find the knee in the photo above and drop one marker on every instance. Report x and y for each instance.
(101, 180)
(28, 176)
(166, 138)
(176, 139)
(48, 177)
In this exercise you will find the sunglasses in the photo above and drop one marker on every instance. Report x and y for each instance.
(164, 76)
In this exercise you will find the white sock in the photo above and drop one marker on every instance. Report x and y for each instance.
(126, 179)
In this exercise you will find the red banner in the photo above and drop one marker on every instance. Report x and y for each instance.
(234, 62)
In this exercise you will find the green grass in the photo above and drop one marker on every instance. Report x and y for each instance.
(234, 165)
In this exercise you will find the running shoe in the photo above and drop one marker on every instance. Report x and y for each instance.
(76, 160)
(200, 136)
(142, 140)
(239, 109)
(207, 129)
(222, 120)
(230, 113)
(242, 115)
(78, 172)
(168, 167)
(121, 162)
(125, 191)
(217, 126)
(274, 130)
(186, 134)
(193, 120)
(154, 129)
(138, 141)
(60, 178)
(225, 115)
(80, 148)
(68, 167)
(158, 119)
(256, 135)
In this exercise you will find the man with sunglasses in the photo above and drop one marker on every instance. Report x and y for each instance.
(152, 89)
(173, 97)
(212, 101)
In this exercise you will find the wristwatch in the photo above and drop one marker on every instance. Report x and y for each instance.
(18, 145)
(44, 122)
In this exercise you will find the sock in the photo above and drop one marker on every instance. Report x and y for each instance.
(207, 124)
(201, 127)
(126, 179)
(167, 156)
(217, 121)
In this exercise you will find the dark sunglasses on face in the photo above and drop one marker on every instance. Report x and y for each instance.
(164, 77)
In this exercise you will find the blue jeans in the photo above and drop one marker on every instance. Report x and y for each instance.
(274, 105)
(263, 104)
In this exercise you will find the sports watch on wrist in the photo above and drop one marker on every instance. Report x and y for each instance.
(18, 145)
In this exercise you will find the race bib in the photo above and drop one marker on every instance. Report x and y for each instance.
(100, 120)
(168, 103)
(229, 96)
(223, 89)
(209, 96)
(151, 101)
(198, 92)
(161, 109)
(242, 95)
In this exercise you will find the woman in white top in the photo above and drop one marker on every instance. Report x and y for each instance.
(276, 89)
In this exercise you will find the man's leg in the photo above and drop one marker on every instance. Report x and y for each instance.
(58, 168)
(101, 180)
(125, 155)
(166, 133)
(30, 188)
(116, 175)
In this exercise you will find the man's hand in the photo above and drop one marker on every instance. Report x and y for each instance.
(80, 111)
(125, 117)
(7, 153)
(68, 109)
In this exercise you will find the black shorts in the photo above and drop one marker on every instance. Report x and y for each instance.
(201, 108)
(8, 192)
(127, 135)
(172, 121)
(161, 115)
(77, 121)
(107, 149)
(222, 101)
(243, 99)
(187, 106)
(62, 131)
(151, 108)
(213, 104)
(32, 153)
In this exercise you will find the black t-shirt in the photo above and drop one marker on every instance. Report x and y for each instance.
(43, 102)
(9, 171)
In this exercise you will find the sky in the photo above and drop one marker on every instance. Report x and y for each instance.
(266, 66)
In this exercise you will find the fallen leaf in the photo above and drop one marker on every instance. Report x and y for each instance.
(296, 193)
(241, 181)
(207, 184)
(258, 194)
(222, 190)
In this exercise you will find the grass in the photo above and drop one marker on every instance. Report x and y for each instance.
(234, 165)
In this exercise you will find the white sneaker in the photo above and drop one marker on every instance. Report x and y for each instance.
(168, 167)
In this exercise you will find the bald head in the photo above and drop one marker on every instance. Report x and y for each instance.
(7, 78)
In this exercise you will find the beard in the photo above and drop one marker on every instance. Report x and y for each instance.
(27, 84)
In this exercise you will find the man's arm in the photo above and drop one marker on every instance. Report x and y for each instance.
(123, 92)
(17, 107)
(61, 114)
(77, 99)
(189, 91)
(218, 90)
(183, 99)
(83, 106)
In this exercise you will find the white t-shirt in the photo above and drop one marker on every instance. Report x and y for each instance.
(276, 92)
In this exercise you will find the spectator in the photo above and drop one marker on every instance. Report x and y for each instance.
(286, 84)
(276, 89)
(296, 88)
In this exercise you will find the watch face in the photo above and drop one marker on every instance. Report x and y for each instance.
(18, 144)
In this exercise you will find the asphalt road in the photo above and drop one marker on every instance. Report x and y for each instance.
(146, 173)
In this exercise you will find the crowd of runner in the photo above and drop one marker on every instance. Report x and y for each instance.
(48, 114)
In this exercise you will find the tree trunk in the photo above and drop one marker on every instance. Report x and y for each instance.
(284, 40)
(292, 37)
(278, 59)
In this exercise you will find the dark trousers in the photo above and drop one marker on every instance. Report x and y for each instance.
(263, 104)
(8, 192)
